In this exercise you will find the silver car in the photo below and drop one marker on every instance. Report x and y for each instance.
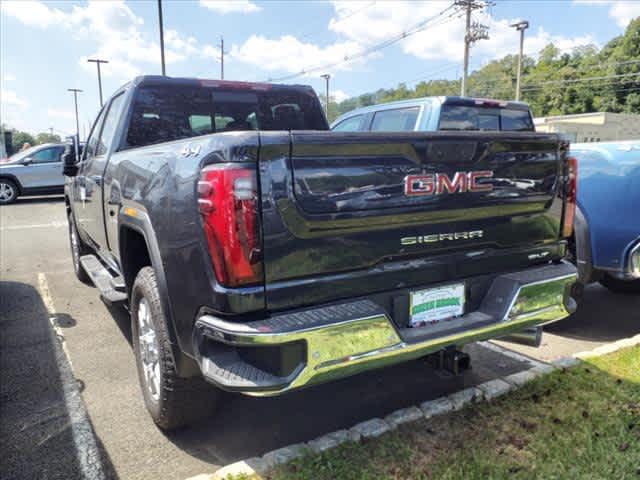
(35, 171)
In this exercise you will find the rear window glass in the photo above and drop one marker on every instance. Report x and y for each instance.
(162, 114)
(399, 120)
(464, 117)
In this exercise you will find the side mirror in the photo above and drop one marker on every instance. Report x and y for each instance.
(27, 161)
(70, 166)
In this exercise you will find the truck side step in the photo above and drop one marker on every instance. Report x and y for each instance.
(103, 280)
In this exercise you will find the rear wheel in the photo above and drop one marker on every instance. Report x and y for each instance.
(8, 191)
(171, 400)
(78, 249)
(620, 286)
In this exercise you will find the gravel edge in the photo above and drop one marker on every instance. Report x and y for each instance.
(377, 426)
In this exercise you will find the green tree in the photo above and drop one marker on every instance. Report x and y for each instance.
(19, 138)
(558, 83)
(45, 137)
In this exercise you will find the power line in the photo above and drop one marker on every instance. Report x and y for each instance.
(421, 26)
(578, 80)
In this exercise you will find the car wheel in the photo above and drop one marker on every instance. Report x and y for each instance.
(8, 191)
(620, 286)
(78, 249)
(171, 400)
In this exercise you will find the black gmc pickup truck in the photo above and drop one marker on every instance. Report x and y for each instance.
(263, 253)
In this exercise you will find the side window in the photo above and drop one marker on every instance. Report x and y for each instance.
(399, 120)
(110, 124)
(201, 124)
(352, 124)
(92, 141)
(48, 155)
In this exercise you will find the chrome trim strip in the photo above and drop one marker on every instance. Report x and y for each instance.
(634, 251)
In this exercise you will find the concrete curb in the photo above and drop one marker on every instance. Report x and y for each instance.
(375, 427)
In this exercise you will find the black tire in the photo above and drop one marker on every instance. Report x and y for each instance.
(177, 401)
(78, 249)
(620, 286)
(8, 191)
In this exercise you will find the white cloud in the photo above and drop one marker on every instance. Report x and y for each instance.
(362, 24)
(230, 6)
(117, 31)
(442, 39)
(11, 99)
(32, 12)
(622, 11)
(57, 113)
(339, 95)
(289, 54)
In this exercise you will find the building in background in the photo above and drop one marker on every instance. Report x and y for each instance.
(592, 127)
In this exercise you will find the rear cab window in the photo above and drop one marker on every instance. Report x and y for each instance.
(487, 118)
(351, 124)
(396, 120)
(167, 113)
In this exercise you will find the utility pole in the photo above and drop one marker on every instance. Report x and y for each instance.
(98, 61)
(473, 32)
(221, 57)
(521, 27)
(75, 100)
(326, 77)
(164, 71)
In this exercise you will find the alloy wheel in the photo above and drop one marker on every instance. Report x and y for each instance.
(6, 192)
(149, 349)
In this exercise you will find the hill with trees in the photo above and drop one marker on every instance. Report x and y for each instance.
(587, 79)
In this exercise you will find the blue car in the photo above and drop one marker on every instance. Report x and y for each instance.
(607, 223)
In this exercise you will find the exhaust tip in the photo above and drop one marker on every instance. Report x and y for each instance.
(531, 337)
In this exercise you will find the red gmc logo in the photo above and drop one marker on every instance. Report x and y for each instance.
(439, 183)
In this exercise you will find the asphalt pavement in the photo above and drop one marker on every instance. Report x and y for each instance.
(65, 406)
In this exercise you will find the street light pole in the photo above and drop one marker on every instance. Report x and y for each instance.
(326, 77)
(521, 27)
(75, 100)
(221, 57)
(164, 72)
(98, 61)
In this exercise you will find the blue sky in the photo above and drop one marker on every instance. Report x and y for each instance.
(44, 45)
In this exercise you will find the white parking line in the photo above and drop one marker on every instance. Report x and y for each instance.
(37, 225)
(83, 436)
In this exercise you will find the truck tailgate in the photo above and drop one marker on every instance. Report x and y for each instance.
(346, 214)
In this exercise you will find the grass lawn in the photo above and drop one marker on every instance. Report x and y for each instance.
(580, 423)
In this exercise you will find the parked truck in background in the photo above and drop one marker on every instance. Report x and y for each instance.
(262, 253)
(432, 114)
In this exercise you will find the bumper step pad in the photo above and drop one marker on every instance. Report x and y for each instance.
(236, 374)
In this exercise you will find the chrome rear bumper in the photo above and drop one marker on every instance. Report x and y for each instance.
(347, 338)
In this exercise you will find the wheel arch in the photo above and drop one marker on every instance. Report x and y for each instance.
(138, 248)
(14, 179)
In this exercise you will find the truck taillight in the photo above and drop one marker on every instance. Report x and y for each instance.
(228, 204)
(571, 197)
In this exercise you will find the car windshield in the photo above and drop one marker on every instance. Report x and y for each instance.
(166, 113)
(465, 117)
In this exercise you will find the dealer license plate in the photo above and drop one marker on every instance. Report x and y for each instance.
(436, 304)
